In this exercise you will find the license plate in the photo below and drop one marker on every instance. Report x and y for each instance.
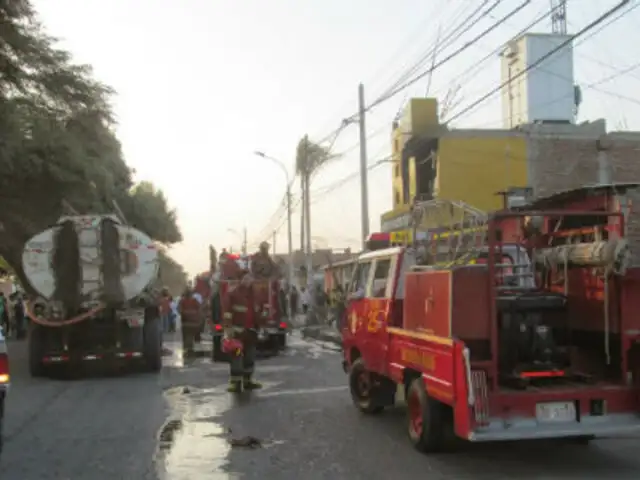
(556, 412)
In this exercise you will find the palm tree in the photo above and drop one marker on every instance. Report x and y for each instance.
(310, 156)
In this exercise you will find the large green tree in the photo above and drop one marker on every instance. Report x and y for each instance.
(58, 149)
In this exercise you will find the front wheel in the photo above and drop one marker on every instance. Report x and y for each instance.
(362, 389)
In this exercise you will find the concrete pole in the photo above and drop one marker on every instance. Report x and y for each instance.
(307, 213)
(290, 252)
(364, 189)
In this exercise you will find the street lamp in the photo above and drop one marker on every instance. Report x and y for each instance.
(289, 233)
(243, 237)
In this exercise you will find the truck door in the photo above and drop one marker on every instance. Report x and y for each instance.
(357, 306)
(379, 297)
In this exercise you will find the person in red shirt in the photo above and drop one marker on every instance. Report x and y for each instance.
(190, 310)
(240, 323)
(165, 309)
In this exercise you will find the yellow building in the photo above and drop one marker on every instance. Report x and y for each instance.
(431, 161)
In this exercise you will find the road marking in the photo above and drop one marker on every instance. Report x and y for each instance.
(304, 391)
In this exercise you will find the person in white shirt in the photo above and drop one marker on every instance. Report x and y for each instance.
(305, 299)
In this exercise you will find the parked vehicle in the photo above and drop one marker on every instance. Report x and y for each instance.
(4, 383)
(496, 330)
(93, 275)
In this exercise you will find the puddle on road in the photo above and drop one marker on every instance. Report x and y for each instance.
(192, 443)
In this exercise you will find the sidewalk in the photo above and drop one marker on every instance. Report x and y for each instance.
(324, 333)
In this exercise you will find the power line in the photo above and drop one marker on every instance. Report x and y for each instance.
(449, 57)
(350, 119)
(432, 17)
(498, 49)
(519, 74)
(448, 39)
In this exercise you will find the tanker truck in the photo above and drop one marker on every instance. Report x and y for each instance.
(94, 302)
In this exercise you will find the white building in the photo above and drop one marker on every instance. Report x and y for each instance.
(546, 93)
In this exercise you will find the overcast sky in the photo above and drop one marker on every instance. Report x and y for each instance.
(203, 83)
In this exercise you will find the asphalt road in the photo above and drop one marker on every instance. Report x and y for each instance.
(177, 425)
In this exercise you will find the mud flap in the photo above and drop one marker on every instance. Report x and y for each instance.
(384, 392)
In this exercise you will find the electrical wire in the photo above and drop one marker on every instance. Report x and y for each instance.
(449, 57)
(522, 72)
(500, 48)
(465, 26)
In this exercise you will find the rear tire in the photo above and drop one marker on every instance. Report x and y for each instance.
(361, 386)
(425, 419)
(35, 344)
(152, 343)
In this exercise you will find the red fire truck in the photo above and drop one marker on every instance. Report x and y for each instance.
(520, 324)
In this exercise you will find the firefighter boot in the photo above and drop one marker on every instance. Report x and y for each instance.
(249, 384)
(235, 385)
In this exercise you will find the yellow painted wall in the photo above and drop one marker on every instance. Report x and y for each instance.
(396, 173)
(419, 116)
(473, 169)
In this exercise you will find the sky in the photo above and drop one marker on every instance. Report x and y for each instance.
(202, 84)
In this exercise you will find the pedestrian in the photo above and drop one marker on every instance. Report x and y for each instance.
(305, 299)
(19, 317)
(165, 308)
(4, 316)
(293, 301)
(240, 324)
(339, 306)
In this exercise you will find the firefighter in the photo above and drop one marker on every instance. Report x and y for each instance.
(262, 265)
(240, 323)
(190, 310)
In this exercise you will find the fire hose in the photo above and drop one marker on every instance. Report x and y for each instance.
(613, 255)
(63, 323)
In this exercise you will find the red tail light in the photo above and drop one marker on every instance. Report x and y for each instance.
(4, 368)
(283, 324)
(218, 328)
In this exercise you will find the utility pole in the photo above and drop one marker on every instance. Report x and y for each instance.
(274, 242)
(302, 224)
(364, 188)
(289, 242)
(244, 241)
(307, 211)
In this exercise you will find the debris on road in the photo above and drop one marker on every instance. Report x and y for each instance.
(245, 442)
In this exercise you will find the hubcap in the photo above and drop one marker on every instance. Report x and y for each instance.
(415, 414)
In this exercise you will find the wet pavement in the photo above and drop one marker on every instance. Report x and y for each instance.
(182, 424)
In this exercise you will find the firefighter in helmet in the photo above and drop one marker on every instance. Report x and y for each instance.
(190, 309)
(262, 265)
(240, 322)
